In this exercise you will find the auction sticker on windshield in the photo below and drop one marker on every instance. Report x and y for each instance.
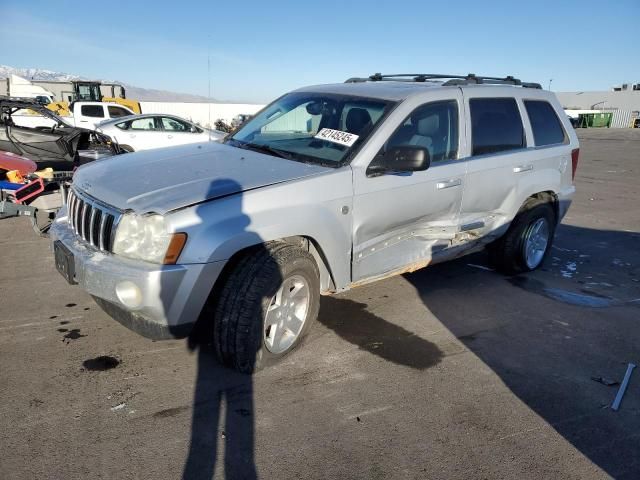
(337, 136)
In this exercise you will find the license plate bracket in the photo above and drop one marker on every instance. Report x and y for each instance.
(65, 263)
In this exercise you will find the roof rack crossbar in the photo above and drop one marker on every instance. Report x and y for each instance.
(470, 78)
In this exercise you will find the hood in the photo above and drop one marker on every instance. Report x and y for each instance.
(170, 178)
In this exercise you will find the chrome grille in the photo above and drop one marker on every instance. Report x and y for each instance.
(93, 222)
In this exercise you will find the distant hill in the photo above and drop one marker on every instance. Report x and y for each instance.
(137, 93)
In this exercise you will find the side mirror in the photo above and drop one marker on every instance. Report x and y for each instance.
(403, 158)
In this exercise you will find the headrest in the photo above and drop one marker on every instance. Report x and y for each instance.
(356, 120)
(428, 126)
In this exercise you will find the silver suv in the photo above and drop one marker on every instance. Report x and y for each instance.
(327, 188)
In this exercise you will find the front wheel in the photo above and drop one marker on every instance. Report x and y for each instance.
(265, 307)
(527, 241)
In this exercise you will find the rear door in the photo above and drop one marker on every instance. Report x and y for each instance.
(403, 221)
(495, 161)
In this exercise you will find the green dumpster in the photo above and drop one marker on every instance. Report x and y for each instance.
(595, 120)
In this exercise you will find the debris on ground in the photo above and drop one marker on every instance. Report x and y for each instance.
(623, 388)
(605, 381)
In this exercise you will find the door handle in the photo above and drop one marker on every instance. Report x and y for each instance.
(449, 183)
(522, 168)
(169, 136)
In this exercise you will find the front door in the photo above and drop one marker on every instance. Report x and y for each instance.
(144, 133)
(402, 221)
(89, 115)
(176, 132)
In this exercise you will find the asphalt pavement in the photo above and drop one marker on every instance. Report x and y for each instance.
(451, 372)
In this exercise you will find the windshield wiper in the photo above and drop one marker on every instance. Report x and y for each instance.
(267, 149)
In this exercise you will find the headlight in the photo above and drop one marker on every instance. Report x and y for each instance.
(145, 237)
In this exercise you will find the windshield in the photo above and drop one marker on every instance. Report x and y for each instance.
(312, 127)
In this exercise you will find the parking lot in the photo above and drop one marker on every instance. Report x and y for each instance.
(450, 372)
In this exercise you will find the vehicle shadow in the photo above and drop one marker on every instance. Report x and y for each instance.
(352, 322)
(223, 404)
(550, 334)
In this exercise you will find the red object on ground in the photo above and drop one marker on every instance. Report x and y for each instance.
(10, 161)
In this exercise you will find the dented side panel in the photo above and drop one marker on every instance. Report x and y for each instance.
(402, 221)
(498, 184)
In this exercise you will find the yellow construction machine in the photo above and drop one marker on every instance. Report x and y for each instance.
(88, 91)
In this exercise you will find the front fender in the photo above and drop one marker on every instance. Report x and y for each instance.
(317, 207)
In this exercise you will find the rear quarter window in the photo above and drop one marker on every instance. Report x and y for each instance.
(496, 125)
(546, 126)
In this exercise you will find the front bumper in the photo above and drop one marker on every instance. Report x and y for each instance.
(172, 295)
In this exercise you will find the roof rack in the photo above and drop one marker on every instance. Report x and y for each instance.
(468, 79)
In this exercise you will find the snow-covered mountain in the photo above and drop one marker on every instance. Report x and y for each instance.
(37, 74)
(137, 93)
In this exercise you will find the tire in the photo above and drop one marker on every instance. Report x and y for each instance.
(242, 338)
(509, 253)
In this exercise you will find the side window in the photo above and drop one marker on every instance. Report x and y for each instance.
(174, 125)
(115, 112)
(433, 126)
(123, 125)
(496, 125)
(145, 123)
(547, 129)
(95, 111)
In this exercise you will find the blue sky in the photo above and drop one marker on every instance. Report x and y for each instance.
(261, 49)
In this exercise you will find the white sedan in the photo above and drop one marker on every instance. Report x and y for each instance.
(155, 130)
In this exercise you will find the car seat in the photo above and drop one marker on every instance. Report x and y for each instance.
(358, 120)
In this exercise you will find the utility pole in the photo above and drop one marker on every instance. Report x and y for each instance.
(550, 80)
(209, 79)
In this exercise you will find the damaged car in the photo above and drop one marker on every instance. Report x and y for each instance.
(61, 146)
(328, 188)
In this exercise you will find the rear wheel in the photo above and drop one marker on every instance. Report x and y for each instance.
(265, 307)
(527, 241)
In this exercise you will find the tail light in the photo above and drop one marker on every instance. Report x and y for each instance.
(575, 154)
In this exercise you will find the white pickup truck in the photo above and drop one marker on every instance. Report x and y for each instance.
(84, 114)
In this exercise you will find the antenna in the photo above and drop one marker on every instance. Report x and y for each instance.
(209, 78)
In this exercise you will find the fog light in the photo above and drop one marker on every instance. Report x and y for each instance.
(129, 294)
